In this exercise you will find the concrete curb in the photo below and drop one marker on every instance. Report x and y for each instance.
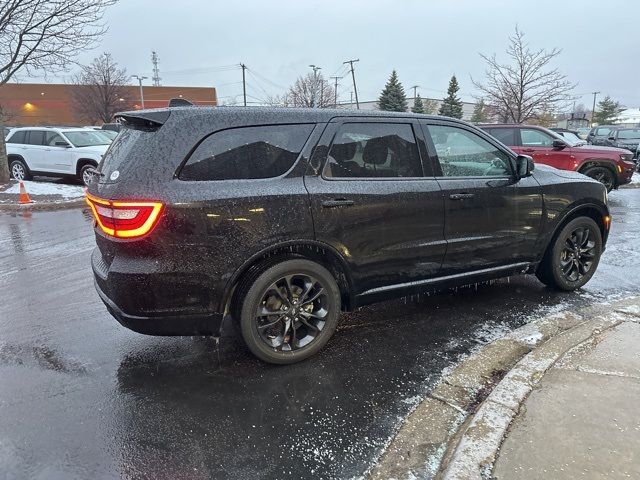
(44, 206)
(458, 428)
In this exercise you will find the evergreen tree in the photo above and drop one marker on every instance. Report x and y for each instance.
(418, 106)
(480, 113)
(452, 106)
(607, 111)
(393, 98)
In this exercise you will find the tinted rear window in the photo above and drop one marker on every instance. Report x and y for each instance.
(129, 143)
(247, 153)
(505, 135)
(17, 137)
(36, 137)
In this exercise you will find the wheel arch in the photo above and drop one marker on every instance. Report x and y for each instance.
(318, 252)
(81, 162)
(599, 162)
(592, 210)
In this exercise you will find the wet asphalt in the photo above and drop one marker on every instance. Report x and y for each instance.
(82, 397)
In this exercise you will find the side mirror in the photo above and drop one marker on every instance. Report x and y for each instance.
(62, 144)
(557, 143)
(524, 166)
(612, 139)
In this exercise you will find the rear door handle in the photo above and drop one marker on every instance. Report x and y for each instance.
(338, 202)
(461, 196)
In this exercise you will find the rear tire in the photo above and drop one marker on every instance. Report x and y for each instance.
(573, 256)
(85, 173)
(603, 175)
(18, 170)
(289, 312)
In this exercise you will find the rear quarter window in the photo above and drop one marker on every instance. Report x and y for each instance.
(18, 137)
(247, 153)
(504, 135)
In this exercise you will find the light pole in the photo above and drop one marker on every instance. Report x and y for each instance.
(315, 85)
(140, 79)
(593, 110)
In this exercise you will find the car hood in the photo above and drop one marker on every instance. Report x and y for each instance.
(600, 149)
(561, 173)
(97, 149)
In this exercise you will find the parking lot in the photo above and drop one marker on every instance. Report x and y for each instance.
(83, 397)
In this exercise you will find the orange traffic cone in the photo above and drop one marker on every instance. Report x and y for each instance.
(24, 196)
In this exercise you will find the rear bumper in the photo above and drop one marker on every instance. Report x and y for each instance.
(138, 314)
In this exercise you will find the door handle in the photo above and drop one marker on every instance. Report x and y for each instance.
(528, 150)
(461, 196)
(338, 202)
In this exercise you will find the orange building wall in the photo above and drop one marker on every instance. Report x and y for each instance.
(50, 104)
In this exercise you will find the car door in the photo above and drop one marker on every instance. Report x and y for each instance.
(57, 157)
(539, 145)
(492, 219)
(375, 200)
(34, 150)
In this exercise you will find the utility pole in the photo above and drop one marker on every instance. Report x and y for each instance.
(315, 84)
(335, 92)
(351, 101)
(140, 79)
(415, 90)
(353, 77)
(244, 84)
(593, 110)
(156, 71)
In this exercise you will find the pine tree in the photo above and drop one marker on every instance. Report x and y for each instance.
(607, 111)
(480, 114)
(418, 106)
(393, 98)
(452, 106)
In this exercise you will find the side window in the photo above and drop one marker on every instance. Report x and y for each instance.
(378, 150)
(247, 153)
(51, 138)
(535, 138)
(462, 153)
(602, 132)
(35, 137)
(504, 135)
(18, 137)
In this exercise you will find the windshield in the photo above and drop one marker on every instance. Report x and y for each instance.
(572, 137)
(632, 133)
(86, 138)
(568, 140)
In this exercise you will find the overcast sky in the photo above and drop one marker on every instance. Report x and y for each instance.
(426, 41)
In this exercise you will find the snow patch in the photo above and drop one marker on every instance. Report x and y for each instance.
(67, 192)
(635, 178)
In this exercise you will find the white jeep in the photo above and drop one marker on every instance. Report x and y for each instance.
(55, 152)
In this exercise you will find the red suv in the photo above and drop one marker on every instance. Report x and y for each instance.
(610, 166)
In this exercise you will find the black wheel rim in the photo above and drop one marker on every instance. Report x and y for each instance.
(578, 254)
(604, 177)
(292, 312)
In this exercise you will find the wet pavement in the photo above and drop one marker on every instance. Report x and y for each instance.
(82, 397)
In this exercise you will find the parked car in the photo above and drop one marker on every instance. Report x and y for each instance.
(6, 132)
(610, 166)
(570, 135)
(114, 127)
(583, 132)
(598, 135)
(55, 151)
(627, 138)
(276, 220)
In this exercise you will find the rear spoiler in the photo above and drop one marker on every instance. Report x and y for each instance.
(143, 120)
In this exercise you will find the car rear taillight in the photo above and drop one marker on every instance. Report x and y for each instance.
(124, 219)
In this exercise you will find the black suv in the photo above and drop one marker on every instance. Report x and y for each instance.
(279, 219)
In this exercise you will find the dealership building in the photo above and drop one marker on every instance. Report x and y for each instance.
(50, 104)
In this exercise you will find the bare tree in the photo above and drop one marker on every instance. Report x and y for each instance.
(527, 86)
(430, 106)
(310, 90)
(101, 90)
(45, 36)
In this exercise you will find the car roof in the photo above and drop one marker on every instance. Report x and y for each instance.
(277, 115)
(49, 127)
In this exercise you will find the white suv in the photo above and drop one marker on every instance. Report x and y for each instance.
(55, 152)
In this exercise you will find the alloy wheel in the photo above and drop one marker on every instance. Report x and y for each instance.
(292, 312)
(18, 171)
(87, 175)
(605, 178)
(578, 254)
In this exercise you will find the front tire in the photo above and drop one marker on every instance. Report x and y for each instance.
(289, 311)
(603, 175)
(573, 257)
(86, 173)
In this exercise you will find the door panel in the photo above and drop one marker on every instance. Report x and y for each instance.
(490, 218)
(539, 145)
(57, 158)
(390, 230)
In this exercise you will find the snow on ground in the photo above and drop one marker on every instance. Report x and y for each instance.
(635, 178)
(67, 192)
